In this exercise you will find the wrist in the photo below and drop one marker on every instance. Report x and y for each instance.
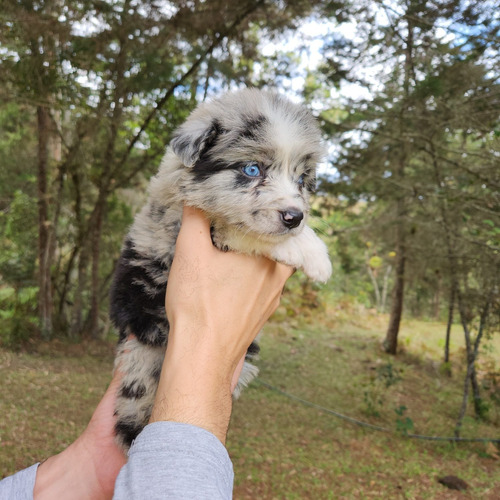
(194, 388)
(209, 414)
(67, 471)
(201, 350)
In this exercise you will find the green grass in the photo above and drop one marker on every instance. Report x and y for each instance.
(283, 449)
(280, 448)
(47, 399)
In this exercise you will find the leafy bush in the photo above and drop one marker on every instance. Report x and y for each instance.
(18, 317)
(18, 253)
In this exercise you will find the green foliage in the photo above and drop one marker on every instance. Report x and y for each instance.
(114, 82)
(404, 425)
(18, 320)
(18, 250)
(417, 161)
(375, 394)
(373, 400)
(17, 151)
(375, 262)
(388, 375)
(303, 298)
(18, 226)
(116, 92)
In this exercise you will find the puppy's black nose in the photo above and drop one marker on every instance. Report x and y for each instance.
(291, 218)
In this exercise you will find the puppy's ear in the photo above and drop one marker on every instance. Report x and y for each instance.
(189, 143)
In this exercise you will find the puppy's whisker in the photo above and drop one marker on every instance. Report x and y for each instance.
(326, 229)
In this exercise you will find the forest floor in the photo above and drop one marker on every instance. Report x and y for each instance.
(282, 448)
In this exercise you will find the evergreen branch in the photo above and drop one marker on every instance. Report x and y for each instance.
(219, 37)
(432, 24)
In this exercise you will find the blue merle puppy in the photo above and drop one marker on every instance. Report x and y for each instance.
(248, 160)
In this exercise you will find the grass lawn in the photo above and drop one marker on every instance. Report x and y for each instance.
(282, 449)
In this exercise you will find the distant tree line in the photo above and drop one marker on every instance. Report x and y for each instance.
(91, 92)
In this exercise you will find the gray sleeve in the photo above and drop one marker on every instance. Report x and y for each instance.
(20, 485)
(169, 460)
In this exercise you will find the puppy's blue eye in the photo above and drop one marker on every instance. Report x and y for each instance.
(301, 179)
(252, 170)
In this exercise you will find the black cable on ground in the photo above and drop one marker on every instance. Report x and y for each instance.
(372, 426)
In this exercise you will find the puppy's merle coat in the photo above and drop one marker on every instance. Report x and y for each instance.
(248, 160)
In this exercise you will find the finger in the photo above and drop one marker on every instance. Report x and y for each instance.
(194, 227)
(284, 272)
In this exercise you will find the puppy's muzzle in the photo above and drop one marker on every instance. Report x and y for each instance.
(291, 217)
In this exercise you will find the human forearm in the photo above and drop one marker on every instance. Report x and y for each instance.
(89, 466)
(195, 388)
(216, 304)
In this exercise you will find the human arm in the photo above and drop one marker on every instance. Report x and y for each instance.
(88, 468)
(216, 304)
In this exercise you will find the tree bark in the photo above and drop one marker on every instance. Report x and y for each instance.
(472, 353)
(478, 404)
(465, 398)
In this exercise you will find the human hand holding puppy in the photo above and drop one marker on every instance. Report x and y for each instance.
(216, 303)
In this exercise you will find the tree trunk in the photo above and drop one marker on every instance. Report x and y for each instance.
(390, 344)
(77, 310)
(472, 352)
(470, 376)
(465, 398)
(452, 264)
(451, 308)
(476, 391)
(44, 227)
(478, 403)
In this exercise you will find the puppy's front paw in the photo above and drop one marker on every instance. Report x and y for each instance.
(307, 252)
(318, 267)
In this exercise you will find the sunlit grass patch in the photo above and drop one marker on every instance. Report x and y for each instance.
(284, 449)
